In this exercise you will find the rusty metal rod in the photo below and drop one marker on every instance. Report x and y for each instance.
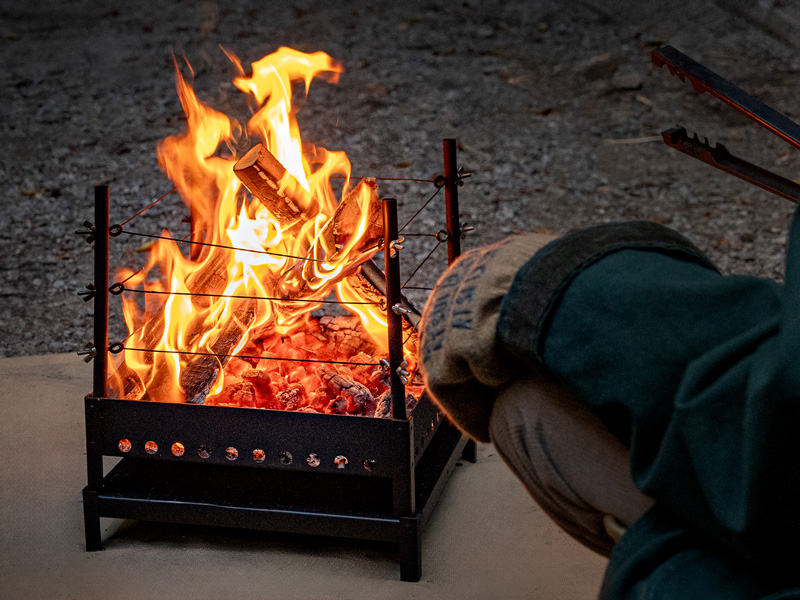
(394, 320)
(101, 223)
(451, 199)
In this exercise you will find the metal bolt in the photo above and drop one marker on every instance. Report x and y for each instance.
(395, 246)
(400, 310)
(90, 353)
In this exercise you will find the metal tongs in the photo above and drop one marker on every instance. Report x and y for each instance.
(705, 80)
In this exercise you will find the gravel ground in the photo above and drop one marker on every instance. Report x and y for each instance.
(549, 100)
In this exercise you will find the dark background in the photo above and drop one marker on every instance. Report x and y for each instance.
(555, 105)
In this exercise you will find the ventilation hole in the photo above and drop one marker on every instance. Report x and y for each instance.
(178, 449)
(231, 453)
(341, 461)
(151, 447)
(369, 464)
(259, 455)
(312, 460)
(204, 452)
(125, 445)
(286, 457)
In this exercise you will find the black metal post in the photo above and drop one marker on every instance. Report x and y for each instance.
(451, 200)
(101, 236)
(94, 432)
(394, 320)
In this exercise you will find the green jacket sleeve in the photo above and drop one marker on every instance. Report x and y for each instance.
(694, 371)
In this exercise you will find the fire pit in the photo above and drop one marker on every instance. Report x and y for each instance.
(339, 438)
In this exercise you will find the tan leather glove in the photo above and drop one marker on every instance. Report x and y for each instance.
(461, 360)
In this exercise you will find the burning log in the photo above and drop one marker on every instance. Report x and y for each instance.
(211, 278)
(354, 398)
(347, 334)
(383, 410)
(200, 374)
(267, 179)
(343, 224)
(370, 282)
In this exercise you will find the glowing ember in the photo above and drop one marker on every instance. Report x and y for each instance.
(265, 263)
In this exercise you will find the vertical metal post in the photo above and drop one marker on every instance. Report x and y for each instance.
(451, 200)
(454, 235)
(101, 223)
(394, 320)
(94, 431)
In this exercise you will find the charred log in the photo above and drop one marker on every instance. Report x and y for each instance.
(354, 397)
(200, 374)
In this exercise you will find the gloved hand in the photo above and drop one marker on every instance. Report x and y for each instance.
(461, 360)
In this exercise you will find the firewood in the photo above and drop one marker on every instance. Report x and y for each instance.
(267, 179)
(383, 410)
(370, 282)
(293, 397)
(344, 222)
(210, 278)
(346, 334)
(201, 373)
(355, 395)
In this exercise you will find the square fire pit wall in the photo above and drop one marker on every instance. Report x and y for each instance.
(296, 472)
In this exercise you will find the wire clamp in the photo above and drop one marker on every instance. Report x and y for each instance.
(89, 294)
(442, 236)
(116, 348)
(116, 289)
(89, 353)
(400, 310)
(91, 232)
(395, 246)
(402, 373)
(115, 230)
(461, 175)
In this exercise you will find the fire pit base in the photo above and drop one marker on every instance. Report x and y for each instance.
(294, 498)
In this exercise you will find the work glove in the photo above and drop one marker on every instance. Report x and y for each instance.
(462, 360)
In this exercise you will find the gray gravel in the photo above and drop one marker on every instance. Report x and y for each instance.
(544, 97)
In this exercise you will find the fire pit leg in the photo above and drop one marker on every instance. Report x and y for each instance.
(91, 521)
(410, 550)
(94, 431)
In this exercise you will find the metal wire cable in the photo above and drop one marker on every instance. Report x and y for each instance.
(419, 266)
(382, 178)
(172, 239)
(242, 297)
(428, 201)
(311, 360)
(146, 208)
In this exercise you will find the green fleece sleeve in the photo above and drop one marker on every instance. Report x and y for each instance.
(696, 373)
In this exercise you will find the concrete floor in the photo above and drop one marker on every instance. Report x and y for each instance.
(487, 539)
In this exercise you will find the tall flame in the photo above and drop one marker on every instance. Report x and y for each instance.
(247, 256)
(249, 270)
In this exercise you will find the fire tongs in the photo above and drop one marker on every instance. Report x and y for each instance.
(705, 80)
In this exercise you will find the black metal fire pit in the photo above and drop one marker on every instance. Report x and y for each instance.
(296, 472)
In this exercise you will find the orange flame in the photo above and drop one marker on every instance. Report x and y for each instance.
(250, 256)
